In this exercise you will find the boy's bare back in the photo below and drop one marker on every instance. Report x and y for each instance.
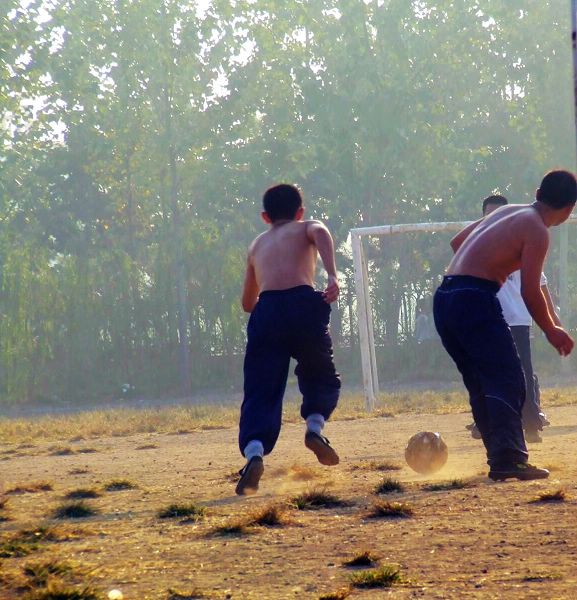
(508, 239)
(285, 256)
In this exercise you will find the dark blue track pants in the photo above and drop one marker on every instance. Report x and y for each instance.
(470, 322)
(284, 324)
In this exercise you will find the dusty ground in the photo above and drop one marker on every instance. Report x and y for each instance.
(486, 540)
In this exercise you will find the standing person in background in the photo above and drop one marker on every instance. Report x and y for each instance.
(519, 320)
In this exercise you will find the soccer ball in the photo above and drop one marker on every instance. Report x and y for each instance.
(426, 452)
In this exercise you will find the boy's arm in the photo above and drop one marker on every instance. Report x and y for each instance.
(532, 257)
(320, 236)
(250, 288)
(550, 305)
(458, 239)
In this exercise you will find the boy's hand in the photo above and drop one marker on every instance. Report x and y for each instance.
(560, 340)
(331, 292)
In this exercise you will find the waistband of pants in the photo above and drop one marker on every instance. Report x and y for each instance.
(288, 292)
(461, 282)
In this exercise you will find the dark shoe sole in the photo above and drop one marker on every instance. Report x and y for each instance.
(503, 475)
(250, 478)
(325, 454)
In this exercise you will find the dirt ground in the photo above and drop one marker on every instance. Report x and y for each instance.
(485, 540)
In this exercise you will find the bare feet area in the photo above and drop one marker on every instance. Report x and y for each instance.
(168, 525)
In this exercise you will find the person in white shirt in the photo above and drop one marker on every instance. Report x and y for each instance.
(519, 320)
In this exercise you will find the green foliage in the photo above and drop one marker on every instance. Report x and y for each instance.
(139, 138)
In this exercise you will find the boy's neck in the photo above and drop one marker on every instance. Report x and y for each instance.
(280, 222)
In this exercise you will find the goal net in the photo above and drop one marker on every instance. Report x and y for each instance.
(396, 270)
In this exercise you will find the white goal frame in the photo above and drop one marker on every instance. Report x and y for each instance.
(364, 307)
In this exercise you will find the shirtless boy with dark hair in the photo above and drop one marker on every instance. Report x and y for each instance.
(469, 320)
(288, 319)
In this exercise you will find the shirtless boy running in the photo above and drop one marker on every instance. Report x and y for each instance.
(288, 319)
(469, 320)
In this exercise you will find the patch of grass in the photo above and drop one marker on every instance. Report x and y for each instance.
(338, 595)
(389, 486)
(3, 510)
(75, 510)
(60, 592)
(78, 471)
(390, 510)
(542, 577)
(236, 527)
(454, 484)
(118, 485)
(191, 512)
(83, 493)
(363, 559)
(178, 595)
(31, 488)
(61, 451)
(556, 496)
(374, 465)
(39, 573)
(383, 577)
(16, 549)
(271, 515)
(25, 542)
(316, 499)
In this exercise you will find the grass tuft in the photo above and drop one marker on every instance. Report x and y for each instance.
(316, 499)
(374, 465)
(118, 485)
(236, 527)
(59, 592)
(82, 493)
(556, 496)
(31, 488)
(61, 451)
(75, 510)
(338, 595)
(454, 484)
(26, 541)
(390, 510)
(191, 512)
(539, 577)
(364, 559)
(389, 486)
(39, 573)
(383, 577)
(272, 515)
(178, 595)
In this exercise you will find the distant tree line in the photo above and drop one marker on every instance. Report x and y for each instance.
(138, 137)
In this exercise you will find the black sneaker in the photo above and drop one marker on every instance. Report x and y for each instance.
(322, 448)
(250, 476)
(533, 436)
(523, 471)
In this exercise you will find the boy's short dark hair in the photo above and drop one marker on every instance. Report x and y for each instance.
(495, 199)
(282, 201)
(558, 189)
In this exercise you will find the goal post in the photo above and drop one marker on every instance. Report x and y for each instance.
(364, 305)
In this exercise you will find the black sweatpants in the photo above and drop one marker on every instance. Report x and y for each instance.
(470, 322)
(532, 407)
(284, 324)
